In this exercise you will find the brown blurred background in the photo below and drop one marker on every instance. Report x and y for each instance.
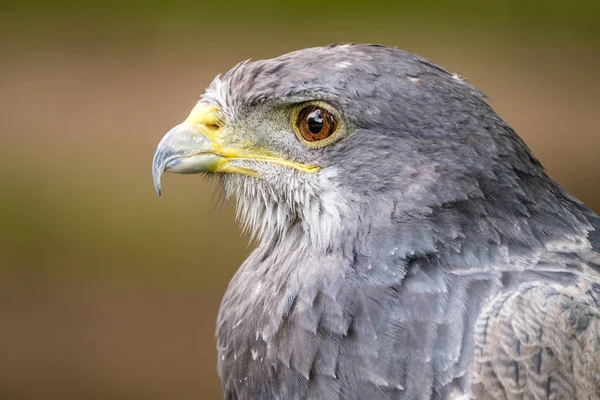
(109, 292)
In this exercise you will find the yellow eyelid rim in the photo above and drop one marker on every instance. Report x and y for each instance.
(320, 143)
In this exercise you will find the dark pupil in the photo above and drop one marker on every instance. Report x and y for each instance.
(315, 122)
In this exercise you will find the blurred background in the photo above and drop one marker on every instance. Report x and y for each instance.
(109, 292)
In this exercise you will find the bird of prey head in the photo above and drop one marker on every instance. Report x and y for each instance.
(315, 139)
(409, 240)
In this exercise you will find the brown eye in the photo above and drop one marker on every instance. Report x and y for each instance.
(316, 123)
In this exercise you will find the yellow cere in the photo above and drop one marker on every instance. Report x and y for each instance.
(207, 118)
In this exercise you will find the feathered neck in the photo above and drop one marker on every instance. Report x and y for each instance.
(310, 207)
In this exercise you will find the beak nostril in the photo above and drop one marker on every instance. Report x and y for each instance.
(213, 127)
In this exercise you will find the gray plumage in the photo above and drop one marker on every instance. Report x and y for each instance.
(430, 258)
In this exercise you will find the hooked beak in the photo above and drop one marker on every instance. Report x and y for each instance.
(192, 147)
(184, 150)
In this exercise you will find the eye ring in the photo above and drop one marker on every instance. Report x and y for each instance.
(315, 123)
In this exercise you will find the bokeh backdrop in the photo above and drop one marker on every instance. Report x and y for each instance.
(109, 292)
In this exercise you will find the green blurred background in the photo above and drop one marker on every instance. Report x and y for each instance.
(109, 292)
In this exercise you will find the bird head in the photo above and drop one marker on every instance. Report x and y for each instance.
(318, 140)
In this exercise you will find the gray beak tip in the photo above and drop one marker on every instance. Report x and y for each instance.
(157, 170)
(156, 178)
